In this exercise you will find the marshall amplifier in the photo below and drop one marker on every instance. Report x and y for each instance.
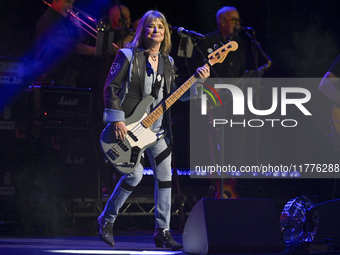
(62, 105)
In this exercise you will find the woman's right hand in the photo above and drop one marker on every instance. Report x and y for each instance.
(120, 129)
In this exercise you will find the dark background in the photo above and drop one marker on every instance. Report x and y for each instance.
(301, 37)
(302, 40)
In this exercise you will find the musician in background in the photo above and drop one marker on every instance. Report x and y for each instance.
(59, 41)
(120, 18)
(328, 84)
(153, 74)
(228, 23)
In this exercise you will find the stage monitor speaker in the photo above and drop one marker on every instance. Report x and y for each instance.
(329, 220)
(233, 226)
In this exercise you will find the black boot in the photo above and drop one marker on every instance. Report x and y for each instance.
(163, 237)
(105, 232)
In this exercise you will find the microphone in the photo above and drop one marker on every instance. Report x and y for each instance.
(246, 29)
(182, 31)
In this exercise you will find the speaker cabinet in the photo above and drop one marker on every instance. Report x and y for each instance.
(233, 226)
(66, 162)
(15, 148)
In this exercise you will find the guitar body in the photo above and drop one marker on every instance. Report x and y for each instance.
(335, 125)
(125, 154)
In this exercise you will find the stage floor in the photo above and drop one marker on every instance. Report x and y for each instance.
(126, 243)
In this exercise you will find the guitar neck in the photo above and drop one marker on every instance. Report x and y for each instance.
(163, 107)
(217, 56)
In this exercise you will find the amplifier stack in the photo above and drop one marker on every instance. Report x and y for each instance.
(61, 105)
(49, 149)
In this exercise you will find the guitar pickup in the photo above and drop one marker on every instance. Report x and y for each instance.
(123, 146)
(134, 138)
(113, 152)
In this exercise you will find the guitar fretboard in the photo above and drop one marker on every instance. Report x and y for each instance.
(216, 57)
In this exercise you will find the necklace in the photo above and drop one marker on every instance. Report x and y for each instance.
(153, 56)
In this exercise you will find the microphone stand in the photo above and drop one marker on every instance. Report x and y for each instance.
(123, 22)
(256, 48)
(222, 112)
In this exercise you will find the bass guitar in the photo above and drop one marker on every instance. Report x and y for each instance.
(125, 154)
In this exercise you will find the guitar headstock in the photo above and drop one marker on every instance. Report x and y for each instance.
(221, 53)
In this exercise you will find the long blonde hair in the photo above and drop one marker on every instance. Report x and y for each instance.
(144, 21)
